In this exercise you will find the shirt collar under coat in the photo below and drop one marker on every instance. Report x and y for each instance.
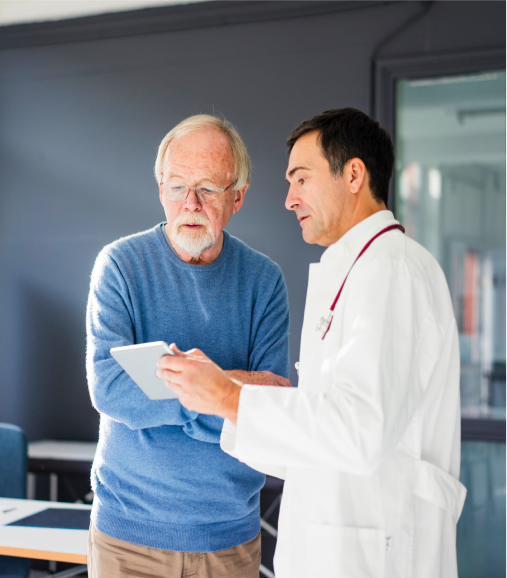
(354, 240)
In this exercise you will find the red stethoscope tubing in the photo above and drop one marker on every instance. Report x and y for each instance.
(386, 230)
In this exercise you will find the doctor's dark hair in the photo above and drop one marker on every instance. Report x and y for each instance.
(347, 133)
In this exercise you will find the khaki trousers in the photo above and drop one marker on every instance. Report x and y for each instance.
(111, 558)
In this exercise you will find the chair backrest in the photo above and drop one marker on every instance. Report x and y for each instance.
(13, 461)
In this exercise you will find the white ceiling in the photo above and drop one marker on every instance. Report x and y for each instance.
(26, 11)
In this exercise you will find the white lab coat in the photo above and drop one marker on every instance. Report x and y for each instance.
(369, 443)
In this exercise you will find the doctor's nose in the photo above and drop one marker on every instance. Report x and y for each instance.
(291, 202)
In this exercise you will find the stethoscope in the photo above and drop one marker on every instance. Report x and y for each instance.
(325, 322)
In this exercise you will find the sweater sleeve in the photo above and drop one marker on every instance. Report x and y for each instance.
(270, 343)
(110, 323)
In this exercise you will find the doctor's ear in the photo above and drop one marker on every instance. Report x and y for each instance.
(355, 174)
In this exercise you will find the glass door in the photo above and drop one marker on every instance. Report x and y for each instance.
(450, 196)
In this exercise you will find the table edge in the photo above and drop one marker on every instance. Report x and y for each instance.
(43, 555)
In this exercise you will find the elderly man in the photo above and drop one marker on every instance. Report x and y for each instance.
(168, 501)
(369, 444)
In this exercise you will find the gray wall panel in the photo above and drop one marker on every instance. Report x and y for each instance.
(79, 126)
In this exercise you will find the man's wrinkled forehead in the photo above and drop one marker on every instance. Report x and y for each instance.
(200, 151)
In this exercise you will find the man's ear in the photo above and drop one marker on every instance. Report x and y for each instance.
(356, 174)
(238, 198)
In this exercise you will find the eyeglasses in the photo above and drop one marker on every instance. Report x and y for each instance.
(177, 192)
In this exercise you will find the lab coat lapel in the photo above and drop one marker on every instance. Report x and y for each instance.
(324, 281)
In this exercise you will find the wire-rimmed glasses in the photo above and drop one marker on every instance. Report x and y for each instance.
(177, 192)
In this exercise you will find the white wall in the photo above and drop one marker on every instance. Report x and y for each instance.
(27, 11)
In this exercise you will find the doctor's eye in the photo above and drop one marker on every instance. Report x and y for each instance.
(301, 181)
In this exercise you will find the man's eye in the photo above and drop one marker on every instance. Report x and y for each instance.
(204, 190)
(177, 189)
(301, 181)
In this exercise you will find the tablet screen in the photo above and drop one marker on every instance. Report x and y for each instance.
(140, 363)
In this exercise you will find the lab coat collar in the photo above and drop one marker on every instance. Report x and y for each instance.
(354, 239)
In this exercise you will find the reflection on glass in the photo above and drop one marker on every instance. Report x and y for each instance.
(450, 196)
(481, 528)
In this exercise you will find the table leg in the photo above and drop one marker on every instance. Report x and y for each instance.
(266, 572)
(76, 571)
(31, 486)
(53, 497)
(53, 487)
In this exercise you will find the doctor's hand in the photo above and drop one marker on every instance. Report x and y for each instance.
(200, 384)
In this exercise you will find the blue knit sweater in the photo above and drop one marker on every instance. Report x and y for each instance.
(159, 476)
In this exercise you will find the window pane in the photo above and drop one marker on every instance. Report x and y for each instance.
(450, 196)
(481, 528)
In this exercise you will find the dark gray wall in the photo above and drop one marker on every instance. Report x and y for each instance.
(79, 126)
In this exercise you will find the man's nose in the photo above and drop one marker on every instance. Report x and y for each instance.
(291, 201)
(192, 202)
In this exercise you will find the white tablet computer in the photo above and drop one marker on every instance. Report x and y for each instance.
(140, 362)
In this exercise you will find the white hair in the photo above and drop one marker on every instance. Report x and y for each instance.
(205, 122)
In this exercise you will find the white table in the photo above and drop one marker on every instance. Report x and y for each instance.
(58, 450)
(62, 545)
(58, 458)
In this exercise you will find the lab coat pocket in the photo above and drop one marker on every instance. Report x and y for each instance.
(345, 552)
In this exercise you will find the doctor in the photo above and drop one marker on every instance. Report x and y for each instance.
(369, 443)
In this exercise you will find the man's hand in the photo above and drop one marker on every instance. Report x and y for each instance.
(200, 384)
(257, 377)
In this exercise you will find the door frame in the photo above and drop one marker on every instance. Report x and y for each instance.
(387, 72)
